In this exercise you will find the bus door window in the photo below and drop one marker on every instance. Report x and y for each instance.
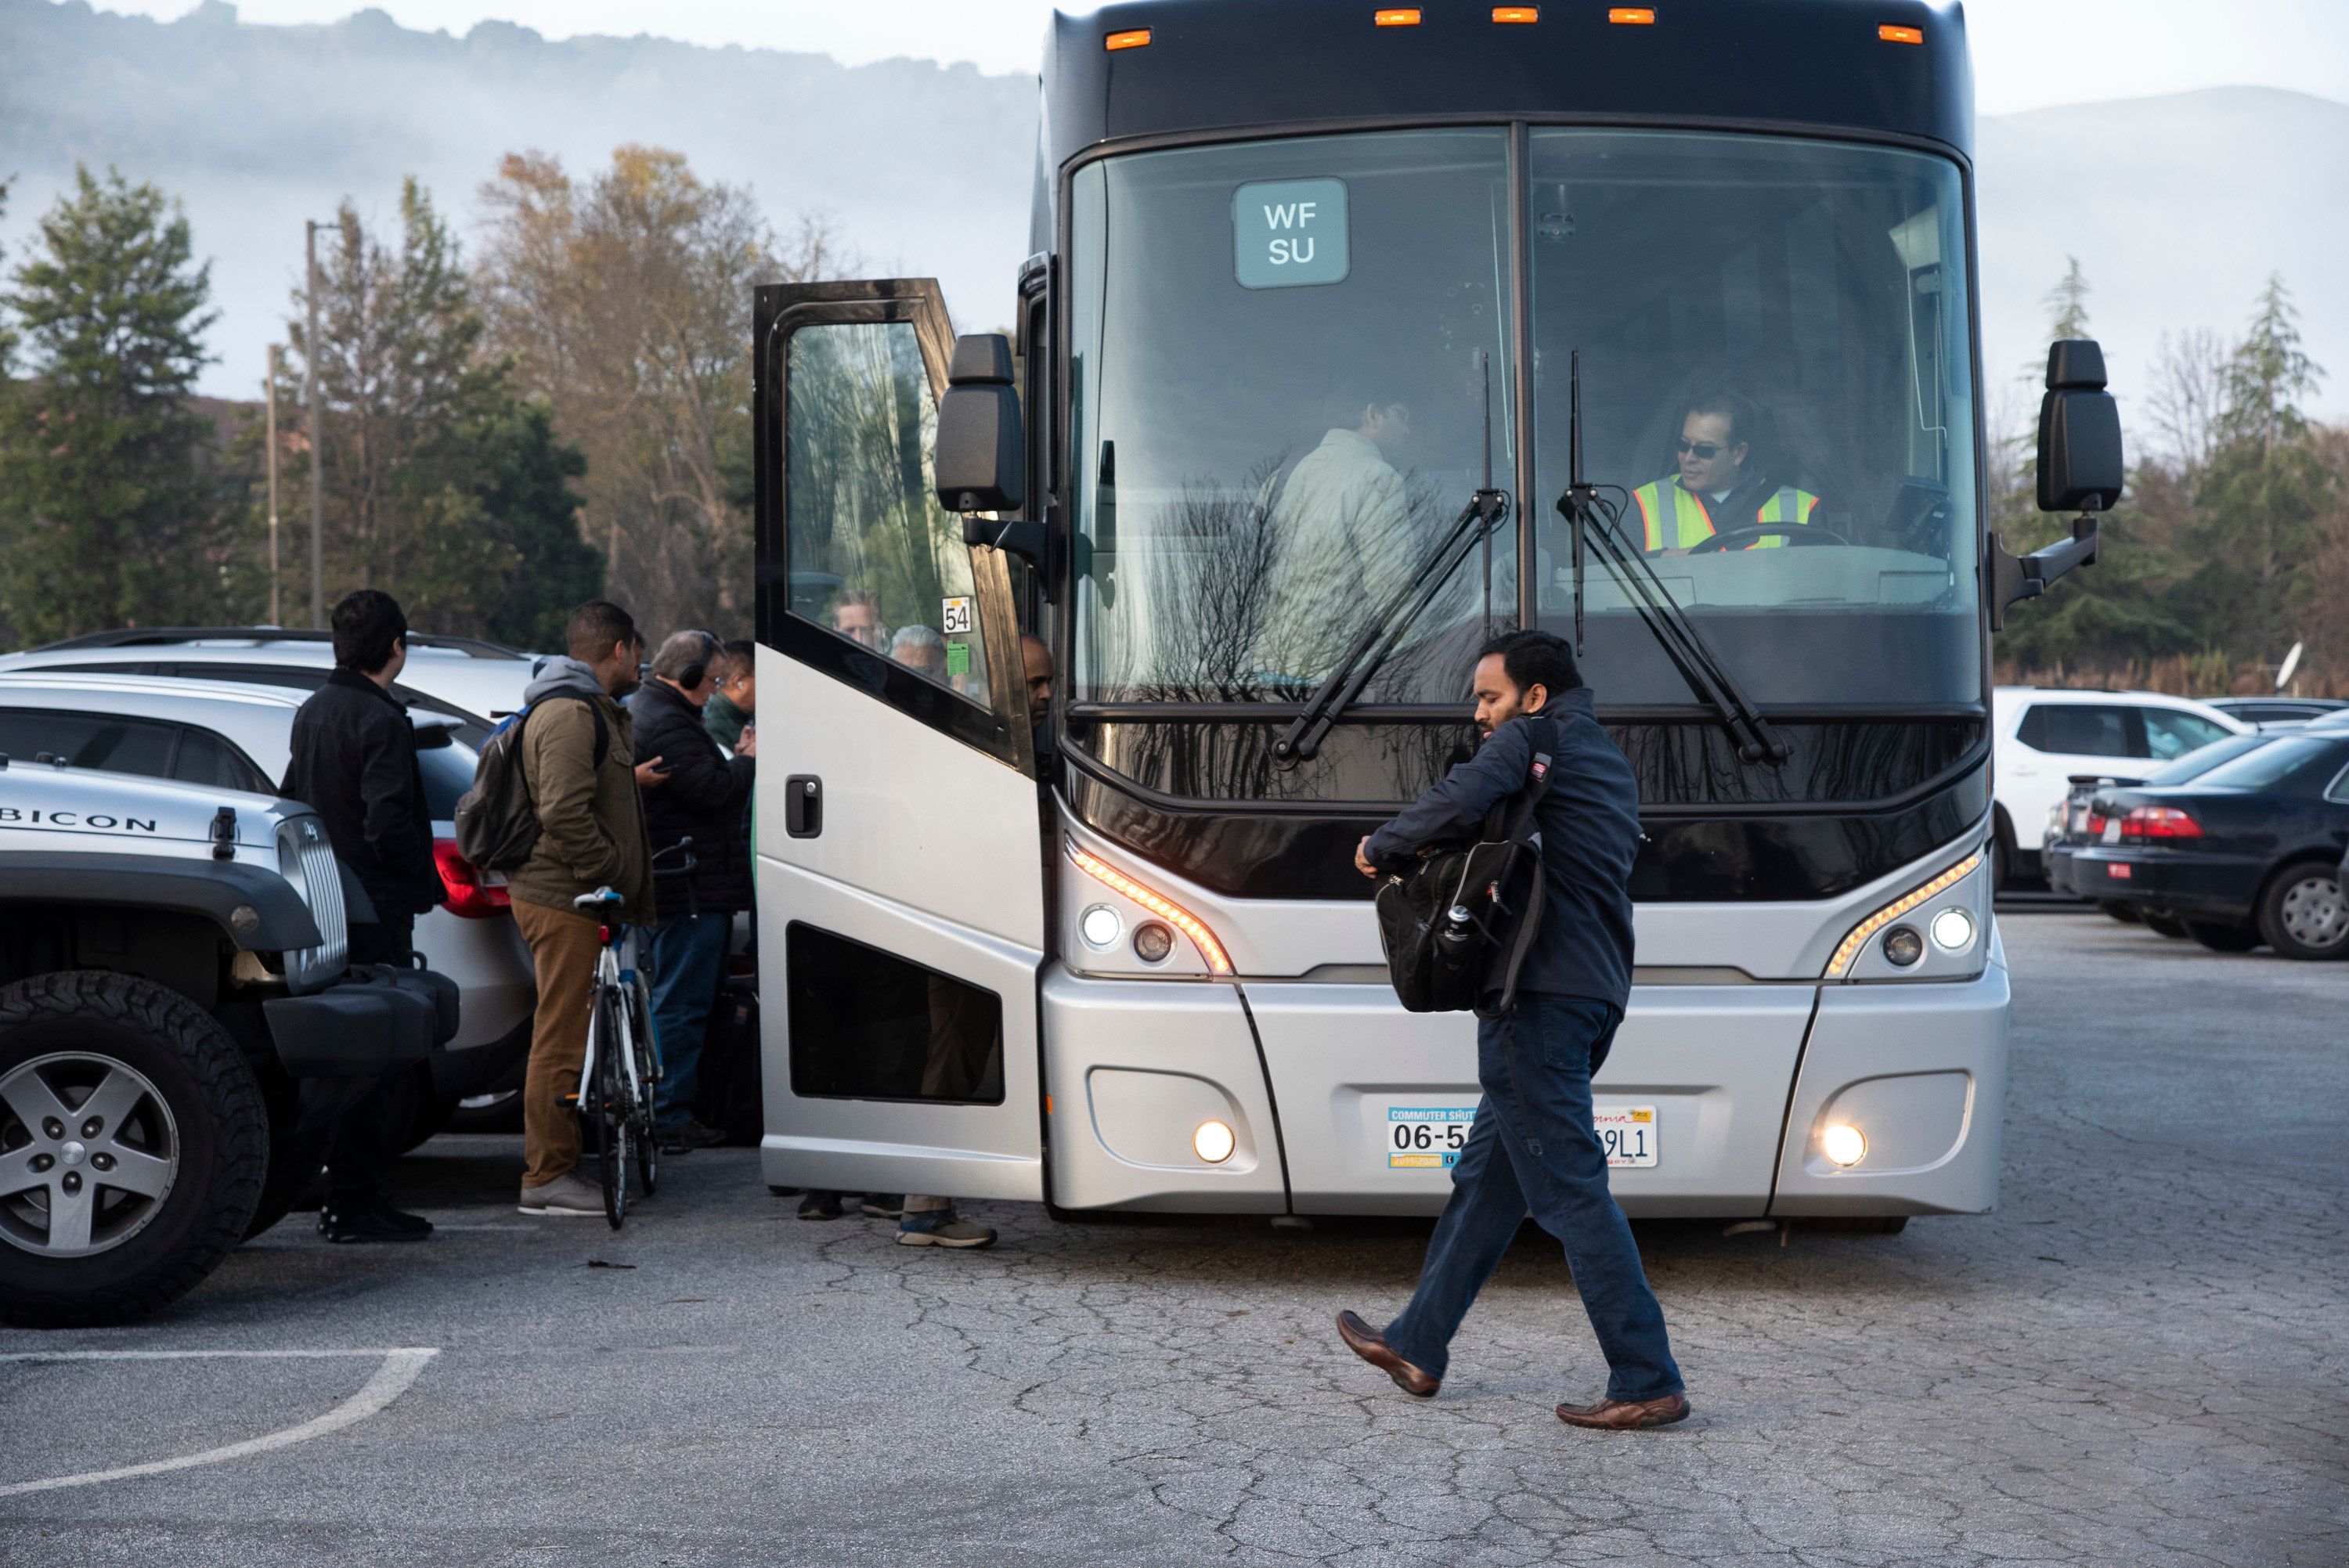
(874, 557)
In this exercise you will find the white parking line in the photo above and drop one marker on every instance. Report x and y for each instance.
(399, 1370)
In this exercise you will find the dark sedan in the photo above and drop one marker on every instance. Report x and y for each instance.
(2067, 829)
(2249, 851)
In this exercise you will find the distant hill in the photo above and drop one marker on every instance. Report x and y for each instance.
(2178, 207)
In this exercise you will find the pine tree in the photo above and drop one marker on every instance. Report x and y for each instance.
(112, 509)
(2259, 509)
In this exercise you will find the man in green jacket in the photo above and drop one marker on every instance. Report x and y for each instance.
(578, 755)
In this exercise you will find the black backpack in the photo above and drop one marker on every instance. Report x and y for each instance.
(1458, 921)
(497, 825)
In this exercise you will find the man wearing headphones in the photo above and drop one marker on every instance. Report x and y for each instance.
(703, 797)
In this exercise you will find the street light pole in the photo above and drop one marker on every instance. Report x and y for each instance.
(269, 389)
(310, 394)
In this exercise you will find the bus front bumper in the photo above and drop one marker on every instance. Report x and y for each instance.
(1324, 1086)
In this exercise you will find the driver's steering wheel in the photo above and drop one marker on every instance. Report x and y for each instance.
(1795, 533)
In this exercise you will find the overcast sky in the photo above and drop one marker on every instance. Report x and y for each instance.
(2027, 53)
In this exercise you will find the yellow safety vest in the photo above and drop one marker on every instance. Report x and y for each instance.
(1684, 520)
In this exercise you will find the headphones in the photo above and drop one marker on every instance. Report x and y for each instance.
(691, 675)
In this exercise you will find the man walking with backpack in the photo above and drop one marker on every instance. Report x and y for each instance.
(576, 750)
(1533, 1144)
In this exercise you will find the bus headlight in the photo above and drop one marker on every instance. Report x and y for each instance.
(1214, 1143)
(1855, 940)
(1843, 1144)
(1218, 961)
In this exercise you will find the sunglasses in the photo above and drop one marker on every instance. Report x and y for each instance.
(1703, 451)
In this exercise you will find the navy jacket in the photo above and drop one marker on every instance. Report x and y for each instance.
(1589, 824)
(354, 762)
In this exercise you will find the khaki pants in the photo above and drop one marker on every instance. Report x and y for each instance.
(563, 950)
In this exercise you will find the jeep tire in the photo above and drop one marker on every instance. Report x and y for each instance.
(168, 1100)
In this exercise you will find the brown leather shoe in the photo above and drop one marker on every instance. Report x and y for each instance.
(1623, 1415)
(1372, 1345)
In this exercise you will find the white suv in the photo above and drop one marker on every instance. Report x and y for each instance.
(2043, 738)
(237, 736)
(460, 675)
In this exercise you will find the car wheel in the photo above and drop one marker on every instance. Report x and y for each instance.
(2304, 913)
(2165, 925)
(2221, 938)
(2127, 913)
(133, 1139)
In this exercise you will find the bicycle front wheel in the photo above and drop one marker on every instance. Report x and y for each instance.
(612, 1110)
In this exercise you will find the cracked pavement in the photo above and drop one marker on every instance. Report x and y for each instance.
(2138, 1359)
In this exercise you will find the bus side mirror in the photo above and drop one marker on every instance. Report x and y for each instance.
(2080, 469)
(982, 449)
(2079, 431)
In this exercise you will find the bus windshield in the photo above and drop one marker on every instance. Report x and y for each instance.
(1283, 354)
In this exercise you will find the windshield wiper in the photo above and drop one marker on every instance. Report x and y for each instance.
(1589, 515)
(1485, 509)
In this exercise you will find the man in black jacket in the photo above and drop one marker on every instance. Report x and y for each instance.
(353, 763)
(702, 797)
(1533, 1144)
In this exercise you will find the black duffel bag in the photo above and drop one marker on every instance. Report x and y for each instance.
(1458, 921)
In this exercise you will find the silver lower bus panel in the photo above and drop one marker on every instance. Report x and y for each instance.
(1743, 1055)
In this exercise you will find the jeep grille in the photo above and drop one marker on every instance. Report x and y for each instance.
(308, 862)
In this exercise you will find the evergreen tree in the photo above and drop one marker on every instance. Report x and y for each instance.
(2262, 498)
(525, 494)
(111, 509)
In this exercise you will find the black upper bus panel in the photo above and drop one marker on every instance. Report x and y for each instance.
(1226, 65)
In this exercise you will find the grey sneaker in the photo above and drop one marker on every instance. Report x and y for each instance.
(568, 1194)
(940, 1228)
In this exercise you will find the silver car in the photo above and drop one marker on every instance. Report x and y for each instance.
(238, 736)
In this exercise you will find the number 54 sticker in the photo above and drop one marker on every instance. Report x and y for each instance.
(954, 616)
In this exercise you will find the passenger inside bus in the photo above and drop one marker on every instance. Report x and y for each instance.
(1721, 483)
(1341, 515)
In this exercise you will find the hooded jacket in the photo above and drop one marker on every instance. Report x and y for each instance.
(706, 798)
(591, 820)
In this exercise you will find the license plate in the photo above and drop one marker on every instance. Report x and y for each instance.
(1430, 1137)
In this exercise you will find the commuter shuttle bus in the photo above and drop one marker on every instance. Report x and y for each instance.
(1352, 335)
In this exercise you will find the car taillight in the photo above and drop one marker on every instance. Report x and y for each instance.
(2145, 822)
(468, 895)
(2096, 823)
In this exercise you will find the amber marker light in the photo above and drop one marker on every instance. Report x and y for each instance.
(1173, 913)
(1632, 16)
(1396, 16)
(1132, 38)
(1841, 961)
(1517, 13)
(1892, 35)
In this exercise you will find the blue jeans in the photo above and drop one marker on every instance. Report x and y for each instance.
(688, 953)
(1533, 1146)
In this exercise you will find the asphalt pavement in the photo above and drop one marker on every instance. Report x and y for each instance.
(2138, 1359)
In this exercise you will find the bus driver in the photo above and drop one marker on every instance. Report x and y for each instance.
(1718, 488)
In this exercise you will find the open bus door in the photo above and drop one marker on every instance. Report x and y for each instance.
(901, 905)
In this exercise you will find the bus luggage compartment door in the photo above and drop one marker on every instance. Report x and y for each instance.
(1353, 1074)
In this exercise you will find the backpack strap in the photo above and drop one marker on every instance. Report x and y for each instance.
(595, 712)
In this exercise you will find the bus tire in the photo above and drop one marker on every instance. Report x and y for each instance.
(198, 1109)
